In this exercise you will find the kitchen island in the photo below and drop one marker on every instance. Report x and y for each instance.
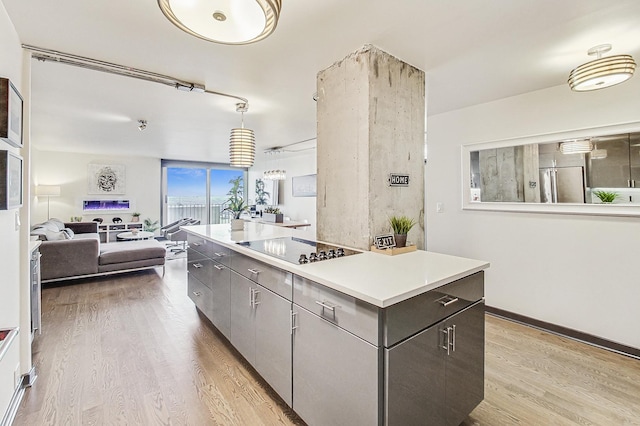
(358, 339)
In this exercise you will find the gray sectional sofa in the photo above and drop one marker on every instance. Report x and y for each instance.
(73, 250)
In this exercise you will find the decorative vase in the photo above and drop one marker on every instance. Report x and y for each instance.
(401, 239)
(273, 217)
(237, 224)
(135, 218)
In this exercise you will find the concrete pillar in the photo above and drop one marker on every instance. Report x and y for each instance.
(371, 123)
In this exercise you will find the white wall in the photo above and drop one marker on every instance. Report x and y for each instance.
(296, 208)
(69, 170)
(14, 247)
(576, 271)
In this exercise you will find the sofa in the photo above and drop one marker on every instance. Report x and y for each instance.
(73, 250)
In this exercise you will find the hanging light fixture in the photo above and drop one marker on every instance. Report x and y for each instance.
(576, 146)
(224, 21)
(602, 72)
(598, 154)
(242, 143)
(277, 174)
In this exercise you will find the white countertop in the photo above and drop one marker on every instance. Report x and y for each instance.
(375, 278)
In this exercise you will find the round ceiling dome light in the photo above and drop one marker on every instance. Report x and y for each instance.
(602, 72)
(224, 21)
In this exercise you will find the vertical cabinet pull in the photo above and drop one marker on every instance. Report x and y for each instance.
(449, 339)
(445, 340)
(253, 297)
(453, 338)
(292, 321)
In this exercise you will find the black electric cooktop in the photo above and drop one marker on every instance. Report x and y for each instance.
(297, 250)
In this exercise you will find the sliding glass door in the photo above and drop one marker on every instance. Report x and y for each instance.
(197, 191)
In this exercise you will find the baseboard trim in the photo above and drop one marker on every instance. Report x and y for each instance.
(566, 332)
(16, 399)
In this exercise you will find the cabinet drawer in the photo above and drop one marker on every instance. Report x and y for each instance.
(349, 313)
(210, 249)
(417, 313)
(274, 279)
(201, 296)
(202, 269)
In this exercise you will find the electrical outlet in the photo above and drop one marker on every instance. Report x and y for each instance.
(439, 207)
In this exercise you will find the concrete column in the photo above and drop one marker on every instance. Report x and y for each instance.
(371, 122)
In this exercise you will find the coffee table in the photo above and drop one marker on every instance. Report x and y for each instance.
(140, 235)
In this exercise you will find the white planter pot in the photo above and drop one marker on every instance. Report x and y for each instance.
(237, 224)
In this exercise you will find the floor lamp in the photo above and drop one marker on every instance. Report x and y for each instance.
(48, 191)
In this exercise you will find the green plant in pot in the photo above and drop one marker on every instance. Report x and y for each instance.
(236, 204)
(150, 225)
(135, 217)
(606, 196)
(401, 226)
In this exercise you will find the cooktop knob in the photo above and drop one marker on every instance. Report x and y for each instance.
(331, 254)
(313, 257)
(322, 255)
(303, 259)
(340, 252)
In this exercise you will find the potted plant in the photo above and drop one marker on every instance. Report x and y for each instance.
(150, 225)
(135, 217)
(606, 197)
(401, 226)
(236, 204)
(272, 214)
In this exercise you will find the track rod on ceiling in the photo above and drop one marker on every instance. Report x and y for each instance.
(111, 68)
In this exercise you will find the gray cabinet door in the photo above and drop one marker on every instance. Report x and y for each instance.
(220, 287)
(242, 326)
(335, 374)
(415, 379)
(273, 341)
(465, 364)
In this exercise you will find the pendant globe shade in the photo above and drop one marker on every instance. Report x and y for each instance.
(602, 72)
(224, 21)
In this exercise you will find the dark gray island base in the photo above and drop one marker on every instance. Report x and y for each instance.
(334, 358)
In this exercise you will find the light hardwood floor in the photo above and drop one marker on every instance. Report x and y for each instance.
(132, 350)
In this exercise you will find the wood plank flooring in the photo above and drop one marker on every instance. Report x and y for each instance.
(132, 350)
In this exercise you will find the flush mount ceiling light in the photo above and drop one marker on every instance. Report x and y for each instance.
(602, 72)
(242, 144)
(576, 146)
(224, 21)
(142, 124)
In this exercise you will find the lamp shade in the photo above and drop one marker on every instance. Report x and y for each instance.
(601, 73)
(224, 21)
(576, 147)
(48, 190)
(242, 147)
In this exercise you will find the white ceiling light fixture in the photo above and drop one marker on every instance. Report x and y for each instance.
(277, 174)
(602, 72)
(576, 146)
(142, 124)
(598, 154)
(224, 21)
(242, 143)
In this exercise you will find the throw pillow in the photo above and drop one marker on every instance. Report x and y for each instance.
(69, 233)
(56, 236)
(58, 223)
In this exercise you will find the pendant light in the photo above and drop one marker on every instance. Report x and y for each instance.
(242, 143)
(224, 21)
(277, 174)
(576, 146)
(602, 72)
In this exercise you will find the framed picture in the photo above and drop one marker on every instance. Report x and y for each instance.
(10, 113)
(10, 180)
(266, 192)
(106, 179)
(304, 186)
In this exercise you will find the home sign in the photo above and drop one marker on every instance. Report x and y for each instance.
(396, 179)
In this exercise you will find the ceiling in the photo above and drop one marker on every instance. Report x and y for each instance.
(472, 52)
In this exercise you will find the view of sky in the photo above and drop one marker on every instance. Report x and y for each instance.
(187, 182)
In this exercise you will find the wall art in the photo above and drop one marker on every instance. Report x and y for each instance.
(106, 179)
(10, 113)
(10, 180)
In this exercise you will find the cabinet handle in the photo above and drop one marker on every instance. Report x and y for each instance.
(447, 300)
(197, 265)
(453, 339)
(218, 267)
(250, 297)
(255, 297)
(253, 271)
(219, 254)
(445, 339)
(326, 306)
(292, 321)
(197, 293)
(197, 244)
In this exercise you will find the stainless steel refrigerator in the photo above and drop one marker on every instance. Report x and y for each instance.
(562, 185)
